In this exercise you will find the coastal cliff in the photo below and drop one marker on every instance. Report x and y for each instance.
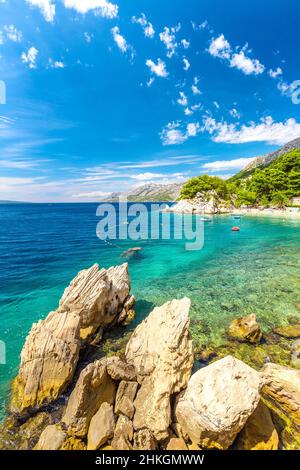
(153, 395)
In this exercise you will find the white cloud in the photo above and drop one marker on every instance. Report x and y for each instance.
(188, 112)
(119, 39)
(224, 165)
(267, 130)
(93, 194)
(47, 8)
(100, 7)
(158, 69)
(275, 73)
(30, 57)
(12, 33)
(220, 47)
(246, 65)
(183, 101)
(193, 129)
(56, 64)
(175, 134)
(88, 37)
(216, 105)
(185, 43)
(168, 37)
(186, 64)
(146, 25)
(147, 176)
(196, 90)
(234, 113)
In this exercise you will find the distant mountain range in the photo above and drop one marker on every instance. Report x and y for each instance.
(12, 202)
(151, 192)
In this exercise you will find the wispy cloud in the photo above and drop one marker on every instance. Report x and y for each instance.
(222, 49)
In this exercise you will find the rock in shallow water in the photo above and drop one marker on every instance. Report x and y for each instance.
(289, 331)
(48, 361)
(161, 351)
(245, 329)
(217, 403)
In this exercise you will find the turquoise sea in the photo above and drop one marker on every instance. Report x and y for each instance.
(256, 270)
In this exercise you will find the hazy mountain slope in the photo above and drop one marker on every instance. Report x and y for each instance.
(151, 192)
(265, 160)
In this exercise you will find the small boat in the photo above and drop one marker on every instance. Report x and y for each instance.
(235, 229)
(237, 217)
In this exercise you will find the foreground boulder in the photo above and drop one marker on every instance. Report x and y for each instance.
(259, 432)
(217, 403)
(161, 351)
(245, 329)
(95, 299)
(102, 427)
(48, 361)
(93, 388)
(52, 438)
(281, 393)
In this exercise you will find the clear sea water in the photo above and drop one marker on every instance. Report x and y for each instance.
(256, 270)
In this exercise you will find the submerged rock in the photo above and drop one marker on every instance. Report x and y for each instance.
(94, 299)
(245, 329)
(289, 331)
(161, 351)
(132, 252)
(217, 403)
(281, 393)
(259, 432)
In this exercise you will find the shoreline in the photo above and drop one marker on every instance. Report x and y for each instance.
(276, 213)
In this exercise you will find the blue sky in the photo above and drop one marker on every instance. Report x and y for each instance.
(104, 96)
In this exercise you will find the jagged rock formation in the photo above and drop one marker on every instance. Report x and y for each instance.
(161, 351)
(217, 403)
(203, 203)
(148, 399)
(94, 300)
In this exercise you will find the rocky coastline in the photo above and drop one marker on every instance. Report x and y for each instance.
(153, 394)
(210, 203)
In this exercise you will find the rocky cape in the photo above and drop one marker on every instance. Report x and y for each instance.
(203, 203)
(152, 396)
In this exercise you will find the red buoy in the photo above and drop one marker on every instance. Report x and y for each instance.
(235, 229)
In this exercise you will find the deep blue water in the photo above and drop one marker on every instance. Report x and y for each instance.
(42, 247)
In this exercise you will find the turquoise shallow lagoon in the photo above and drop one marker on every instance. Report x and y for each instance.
(256, 270)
